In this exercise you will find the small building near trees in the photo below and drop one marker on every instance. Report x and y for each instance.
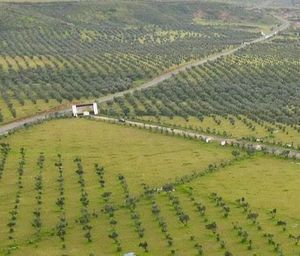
(85, 109)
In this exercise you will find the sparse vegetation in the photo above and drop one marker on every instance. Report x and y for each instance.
(215, 211)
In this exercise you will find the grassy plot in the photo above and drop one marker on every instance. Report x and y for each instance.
(266, 182)
(141, 156)
(103, 143)
(104, 205)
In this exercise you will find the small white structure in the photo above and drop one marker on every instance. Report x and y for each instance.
(85, 109)
(258, 147)
(223, 143)
(208, 139)
(129, 254)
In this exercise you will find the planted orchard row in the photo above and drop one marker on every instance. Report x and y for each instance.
(162, 225)
(100, 173)
(85, 217)
(210, 225)
(61, 226)
(253, 217)
(130, 203)
(109, 209)
(15, 210)
(37, 221)
(4, 153)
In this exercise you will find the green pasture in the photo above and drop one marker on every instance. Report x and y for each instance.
(154, 159)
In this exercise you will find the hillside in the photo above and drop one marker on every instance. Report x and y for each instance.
(56, 53)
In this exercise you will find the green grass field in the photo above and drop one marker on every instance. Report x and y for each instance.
(153, 159)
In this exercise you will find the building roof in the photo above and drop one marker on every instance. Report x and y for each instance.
(84, 105)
